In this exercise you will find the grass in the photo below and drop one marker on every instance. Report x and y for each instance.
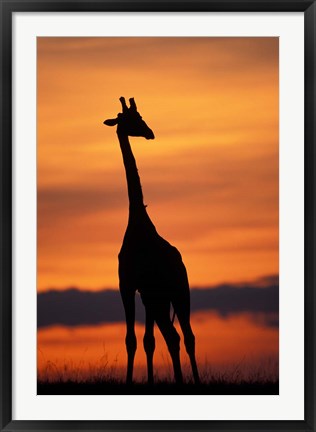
(159, 388)
(105, 379)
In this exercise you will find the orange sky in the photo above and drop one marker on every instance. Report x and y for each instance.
(210, 178)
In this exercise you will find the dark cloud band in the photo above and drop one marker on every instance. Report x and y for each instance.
(74, 307)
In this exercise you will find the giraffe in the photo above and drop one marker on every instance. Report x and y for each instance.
(150, 265)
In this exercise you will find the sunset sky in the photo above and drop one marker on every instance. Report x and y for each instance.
(210, 178)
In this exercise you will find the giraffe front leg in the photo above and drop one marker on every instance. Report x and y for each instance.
(149, 345)
(131, 345)
(130, 339)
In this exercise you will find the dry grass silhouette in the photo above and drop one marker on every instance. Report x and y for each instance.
(106, 377)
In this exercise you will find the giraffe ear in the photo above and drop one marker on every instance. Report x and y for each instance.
(111, 122)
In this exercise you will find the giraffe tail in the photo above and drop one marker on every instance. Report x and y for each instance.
(173, 316)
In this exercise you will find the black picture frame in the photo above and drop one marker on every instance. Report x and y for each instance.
(7, 8)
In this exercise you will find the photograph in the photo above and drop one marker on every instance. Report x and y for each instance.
(157, 215)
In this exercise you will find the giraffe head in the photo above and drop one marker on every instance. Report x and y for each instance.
(129, 121)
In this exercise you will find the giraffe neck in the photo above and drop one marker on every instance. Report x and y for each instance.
(135, 194)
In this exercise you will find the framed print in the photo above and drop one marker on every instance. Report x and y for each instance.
(157, 230)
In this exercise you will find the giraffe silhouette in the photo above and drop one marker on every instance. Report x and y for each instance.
(150, 264)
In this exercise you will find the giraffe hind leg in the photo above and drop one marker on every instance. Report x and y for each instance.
(172, 339)
(182, 308)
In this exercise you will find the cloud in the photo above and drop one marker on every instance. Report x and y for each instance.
(66, 202)
(74, 307)
(212, 53)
